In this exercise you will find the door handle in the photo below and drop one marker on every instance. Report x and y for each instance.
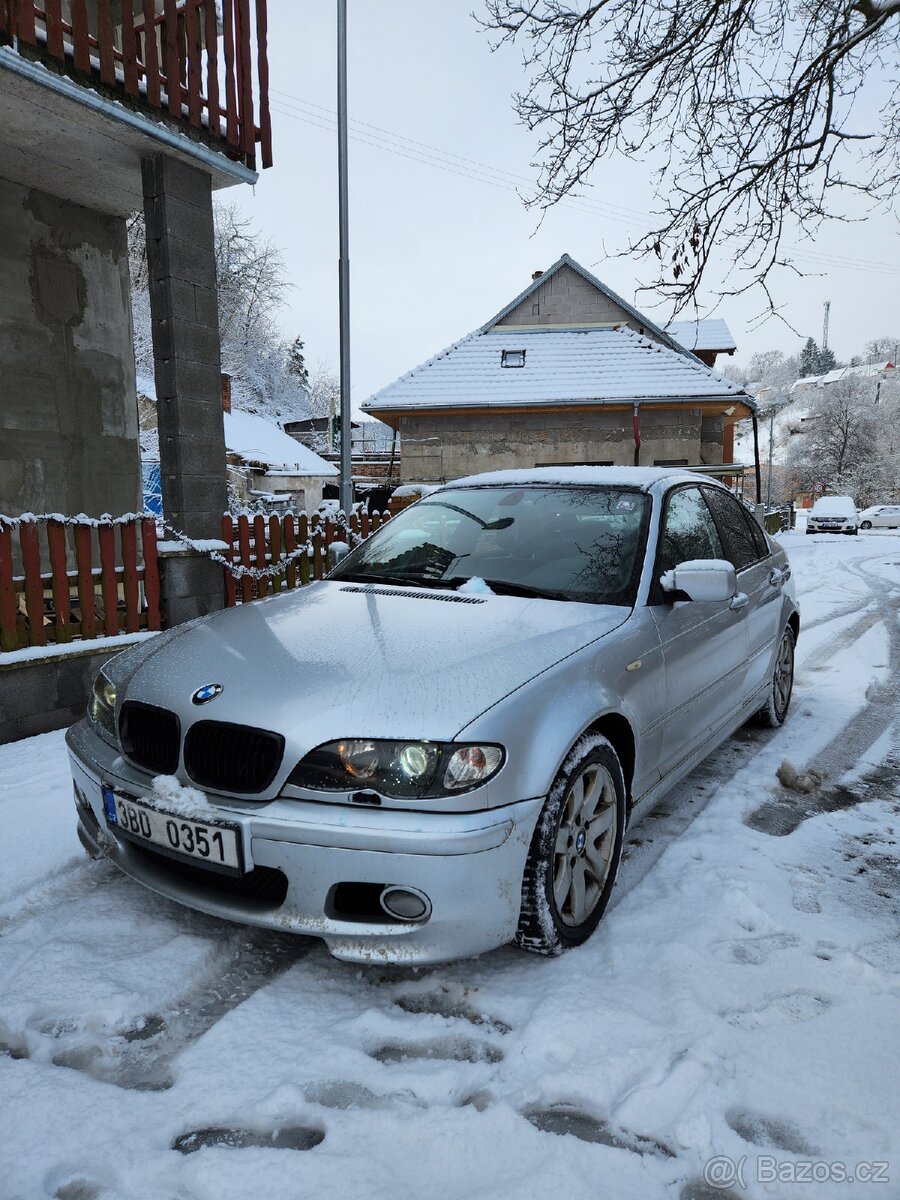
(777, 577)
(738, 600)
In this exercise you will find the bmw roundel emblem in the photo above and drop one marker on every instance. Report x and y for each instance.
(208, 692)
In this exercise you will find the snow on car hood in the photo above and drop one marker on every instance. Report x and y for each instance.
(346, 660)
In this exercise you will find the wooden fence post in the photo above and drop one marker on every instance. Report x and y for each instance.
(29, 541)
(9, 635)
(106, 536)
(151, 572)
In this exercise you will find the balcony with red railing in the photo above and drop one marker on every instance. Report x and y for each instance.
(199, 65)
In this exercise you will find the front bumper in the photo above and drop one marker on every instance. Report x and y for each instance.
(469, 865)
(832, 527)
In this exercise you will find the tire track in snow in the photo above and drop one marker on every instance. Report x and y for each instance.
(144, 1057)
(781, 815)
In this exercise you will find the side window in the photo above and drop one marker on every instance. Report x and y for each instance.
(688, 531)
(742, 539)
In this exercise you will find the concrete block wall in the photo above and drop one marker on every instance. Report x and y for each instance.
(48, 694)
(446, 446)
(68, 411)
(566, 298)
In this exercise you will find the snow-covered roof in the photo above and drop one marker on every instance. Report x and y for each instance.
(562, 366)
(710, 333)
(566, 260)
(257, 440)
(861, 371)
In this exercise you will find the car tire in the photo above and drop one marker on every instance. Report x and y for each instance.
(578, 837)
(866, 525)
(775, 709)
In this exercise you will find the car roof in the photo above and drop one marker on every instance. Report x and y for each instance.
(634, 477)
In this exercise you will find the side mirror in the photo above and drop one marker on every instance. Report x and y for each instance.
(337, 552)
(702, 579)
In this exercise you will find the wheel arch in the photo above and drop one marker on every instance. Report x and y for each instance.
(794, 622)
(618, 732)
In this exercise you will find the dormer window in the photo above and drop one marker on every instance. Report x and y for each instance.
(512, 358)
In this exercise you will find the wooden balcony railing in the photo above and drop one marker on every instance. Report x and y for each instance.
(173, 56)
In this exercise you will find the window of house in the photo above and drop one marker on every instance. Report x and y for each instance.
(512, 358)
(670, 462)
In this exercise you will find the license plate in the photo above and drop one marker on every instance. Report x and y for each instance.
(213, 844)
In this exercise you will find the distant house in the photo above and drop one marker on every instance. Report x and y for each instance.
(706, 338)
(267, 466)
(875, 371)
(567, 373)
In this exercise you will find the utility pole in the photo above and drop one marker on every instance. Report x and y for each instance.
(346, 488)
(825, 325)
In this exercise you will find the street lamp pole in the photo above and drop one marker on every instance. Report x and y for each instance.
(771, 448)
(346, 488)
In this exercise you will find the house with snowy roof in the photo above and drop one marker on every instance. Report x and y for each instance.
(567, 373)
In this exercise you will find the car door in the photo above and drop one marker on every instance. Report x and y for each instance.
(887, 517)
(703, 644)
(746, 548)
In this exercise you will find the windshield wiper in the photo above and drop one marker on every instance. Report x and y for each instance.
(396, 580)
(505, 587)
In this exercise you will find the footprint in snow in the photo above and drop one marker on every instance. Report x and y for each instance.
(769, 1132)
(343, 1094)
(699, 1189)
(756, 950)
(288, 1137)
(804, 888)
(782, 1010)
(450, 1049)
(563, 1119)
(450, 1003)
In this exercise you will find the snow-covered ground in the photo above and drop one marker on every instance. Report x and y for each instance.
(738, 1006)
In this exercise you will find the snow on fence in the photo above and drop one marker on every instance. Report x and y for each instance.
(64, 579)
(280, 553)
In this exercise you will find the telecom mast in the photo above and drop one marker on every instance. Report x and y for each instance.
(825, 325)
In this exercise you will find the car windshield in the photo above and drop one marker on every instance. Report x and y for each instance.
(561, 543)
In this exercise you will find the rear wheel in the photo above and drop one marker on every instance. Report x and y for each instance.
(866, 525)
(776, 707)
(575, 850)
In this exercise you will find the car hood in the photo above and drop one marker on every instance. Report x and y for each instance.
(346, 660)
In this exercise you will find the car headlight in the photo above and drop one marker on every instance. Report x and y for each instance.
(402, 770)
(102, 705)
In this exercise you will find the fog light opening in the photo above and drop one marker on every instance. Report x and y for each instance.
(405, 904)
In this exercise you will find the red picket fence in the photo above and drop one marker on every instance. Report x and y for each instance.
(261, 543)
(61, 581)
(177, 60)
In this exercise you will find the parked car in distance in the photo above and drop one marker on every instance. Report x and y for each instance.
(833, 514)
(880, 516)
(437, 749)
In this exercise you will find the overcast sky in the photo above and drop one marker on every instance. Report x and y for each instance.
(439, 238)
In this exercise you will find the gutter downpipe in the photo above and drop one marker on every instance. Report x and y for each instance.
(636, 427)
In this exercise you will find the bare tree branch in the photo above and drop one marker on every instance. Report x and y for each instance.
(753, 114)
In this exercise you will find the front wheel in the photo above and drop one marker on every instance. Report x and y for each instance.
(775, 709)
(866, 525)
(575, 850)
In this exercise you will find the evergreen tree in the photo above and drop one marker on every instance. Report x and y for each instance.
(827, 361)
(809, 359)
(296, 362)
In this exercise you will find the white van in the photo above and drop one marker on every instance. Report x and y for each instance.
(833, 514)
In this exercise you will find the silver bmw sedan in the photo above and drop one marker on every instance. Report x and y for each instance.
(437, 749)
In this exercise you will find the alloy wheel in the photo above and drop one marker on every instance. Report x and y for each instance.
(585, 841)
(784, 674)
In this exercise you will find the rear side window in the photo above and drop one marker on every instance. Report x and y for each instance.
(743, 542)
(688, 531)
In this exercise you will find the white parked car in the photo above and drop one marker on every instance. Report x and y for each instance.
(880, 516)
(833, 514)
